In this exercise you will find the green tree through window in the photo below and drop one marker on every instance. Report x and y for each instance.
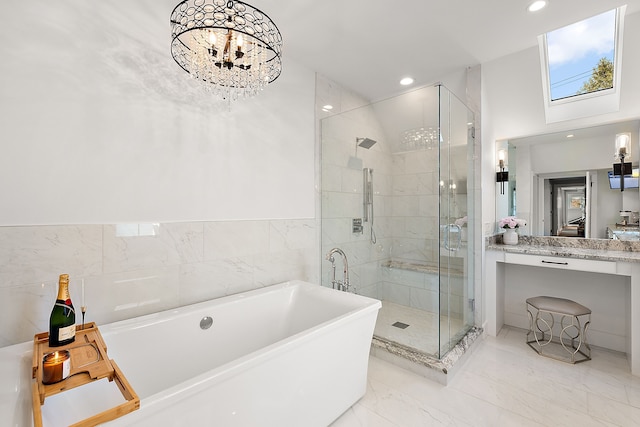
(601, 77)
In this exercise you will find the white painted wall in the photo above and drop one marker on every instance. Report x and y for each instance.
(99, 125)
(512, 104)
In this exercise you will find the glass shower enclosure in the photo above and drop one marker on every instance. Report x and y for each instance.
(397, 195)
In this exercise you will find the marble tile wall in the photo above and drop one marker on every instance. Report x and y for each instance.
(423, 290)
(341, 188)
(415, 201)
(411, 288)
(135, 269)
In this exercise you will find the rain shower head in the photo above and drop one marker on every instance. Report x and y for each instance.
(365, 142)
(354, 161)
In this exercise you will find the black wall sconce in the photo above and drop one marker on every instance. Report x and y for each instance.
(502, 176)
(623, 149)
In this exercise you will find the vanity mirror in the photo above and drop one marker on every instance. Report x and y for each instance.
(564, 183)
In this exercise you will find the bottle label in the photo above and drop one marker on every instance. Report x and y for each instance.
(66, 368)
(67, 333)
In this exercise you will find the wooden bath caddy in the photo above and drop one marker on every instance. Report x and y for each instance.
(89, 363)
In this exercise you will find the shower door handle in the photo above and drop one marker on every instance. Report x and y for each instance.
(447, 237)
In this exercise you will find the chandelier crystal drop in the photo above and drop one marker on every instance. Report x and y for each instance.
(234, 49)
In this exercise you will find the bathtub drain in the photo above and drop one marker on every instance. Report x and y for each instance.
(206, 322)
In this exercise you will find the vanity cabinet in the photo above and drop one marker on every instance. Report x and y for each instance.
(564, 263)
(607, 282)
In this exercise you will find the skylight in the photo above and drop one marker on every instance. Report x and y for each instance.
(582, 62)
(581, 56)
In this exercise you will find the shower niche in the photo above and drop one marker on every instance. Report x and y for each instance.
(405, 167)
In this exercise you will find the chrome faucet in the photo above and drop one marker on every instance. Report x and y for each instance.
(341, 285)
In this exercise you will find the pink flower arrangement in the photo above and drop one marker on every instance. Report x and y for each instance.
(511, 222)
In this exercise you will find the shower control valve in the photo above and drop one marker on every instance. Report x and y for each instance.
(357, 226)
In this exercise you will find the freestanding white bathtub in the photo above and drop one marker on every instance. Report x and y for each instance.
(292, 354)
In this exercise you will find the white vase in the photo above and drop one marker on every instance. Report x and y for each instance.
(510, 237)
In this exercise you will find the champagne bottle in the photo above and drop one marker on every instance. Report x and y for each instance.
(62, 323)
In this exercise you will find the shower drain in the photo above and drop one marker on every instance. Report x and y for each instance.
(400, 325)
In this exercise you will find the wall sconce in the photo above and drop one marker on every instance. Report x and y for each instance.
(502, 176)
(623, 149)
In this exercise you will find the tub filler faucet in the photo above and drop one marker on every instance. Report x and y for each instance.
(341, 285)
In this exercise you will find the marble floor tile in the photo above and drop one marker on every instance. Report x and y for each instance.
(359, 416)
(613, 411)
(404, 409)
(504, 383)
(633, 393)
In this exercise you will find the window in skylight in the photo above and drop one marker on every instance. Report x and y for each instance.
(583, 61)
(581, 56)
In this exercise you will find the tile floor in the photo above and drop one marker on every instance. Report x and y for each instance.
(504, 383)
(422, 333)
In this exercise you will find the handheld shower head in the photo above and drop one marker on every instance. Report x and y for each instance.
(365, 142)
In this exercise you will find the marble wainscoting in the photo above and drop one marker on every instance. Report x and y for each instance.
(131, 270)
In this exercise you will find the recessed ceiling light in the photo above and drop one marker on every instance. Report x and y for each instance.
(570, 135)
(327, 107)
(406, 81)
(536, 5)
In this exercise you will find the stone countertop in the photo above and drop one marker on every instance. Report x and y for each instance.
(595, 249)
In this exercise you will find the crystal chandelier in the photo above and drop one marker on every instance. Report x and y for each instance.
(231, 47)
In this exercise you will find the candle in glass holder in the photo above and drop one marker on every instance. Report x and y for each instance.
(56, 366)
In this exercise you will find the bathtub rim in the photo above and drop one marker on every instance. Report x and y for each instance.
(224, 372)
(184, 310)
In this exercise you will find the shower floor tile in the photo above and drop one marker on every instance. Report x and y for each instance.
(422, 332)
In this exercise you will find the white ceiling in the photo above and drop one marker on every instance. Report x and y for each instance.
(368, 46)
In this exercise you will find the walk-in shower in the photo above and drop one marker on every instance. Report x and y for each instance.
(419, 257)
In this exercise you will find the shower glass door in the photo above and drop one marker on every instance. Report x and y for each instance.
(455, 201)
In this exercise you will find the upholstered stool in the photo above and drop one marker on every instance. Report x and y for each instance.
(571, 337)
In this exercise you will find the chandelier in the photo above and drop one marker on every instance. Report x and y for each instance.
(231, 47)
